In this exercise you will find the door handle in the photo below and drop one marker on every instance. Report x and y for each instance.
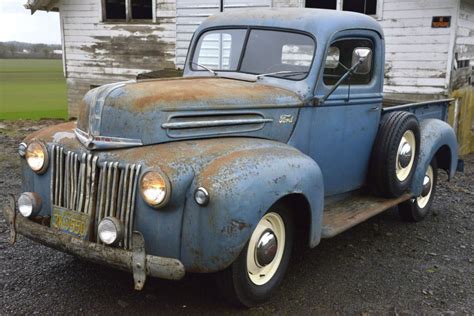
(374, 108)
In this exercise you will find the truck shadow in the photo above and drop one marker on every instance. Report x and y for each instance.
(339, 266)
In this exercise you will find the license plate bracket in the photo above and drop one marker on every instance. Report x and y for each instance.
(71, 222)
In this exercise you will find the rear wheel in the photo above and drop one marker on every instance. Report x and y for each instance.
(417, 209)
(262, 264)
(395, 154)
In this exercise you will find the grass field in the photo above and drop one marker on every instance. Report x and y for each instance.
(32, 89)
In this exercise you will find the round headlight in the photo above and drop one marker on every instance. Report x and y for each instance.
(37, 157)
(155, 188)
(29, 203)
(110, 230)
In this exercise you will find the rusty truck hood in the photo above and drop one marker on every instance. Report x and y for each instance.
(155, 111)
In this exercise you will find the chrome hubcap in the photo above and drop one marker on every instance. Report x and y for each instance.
(427, 190)
(266, 248)
(404, 156)
(426, 186)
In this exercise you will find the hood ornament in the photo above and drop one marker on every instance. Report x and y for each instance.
(92, 142)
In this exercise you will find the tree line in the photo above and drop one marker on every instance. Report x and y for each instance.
(29, 50)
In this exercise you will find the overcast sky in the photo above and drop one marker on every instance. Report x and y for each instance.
(17, 24)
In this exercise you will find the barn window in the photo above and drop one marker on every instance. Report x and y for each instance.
(128, 10)
(362, 6)
(369, 7)
(321, 4)
(142, 9)
(115, 10)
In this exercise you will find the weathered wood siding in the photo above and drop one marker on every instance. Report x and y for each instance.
(464, 48)
(419, 58)
(416, 54)
(98, 52)
(191, 13)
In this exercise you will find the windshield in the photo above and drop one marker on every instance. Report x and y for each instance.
(273, 53)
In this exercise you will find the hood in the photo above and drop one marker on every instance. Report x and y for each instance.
(155, 111)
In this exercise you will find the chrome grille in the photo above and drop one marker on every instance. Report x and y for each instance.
(81, 184)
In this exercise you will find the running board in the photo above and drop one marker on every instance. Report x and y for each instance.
(347, 213)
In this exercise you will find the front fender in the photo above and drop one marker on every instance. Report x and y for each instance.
(434, 135)
(242, 186)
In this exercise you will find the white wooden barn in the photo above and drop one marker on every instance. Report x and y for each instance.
(429, 53)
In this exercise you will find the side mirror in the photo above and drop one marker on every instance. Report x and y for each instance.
(362, 55)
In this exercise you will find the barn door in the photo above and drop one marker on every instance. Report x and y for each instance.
(191, 13)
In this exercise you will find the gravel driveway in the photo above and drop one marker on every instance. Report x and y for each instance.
(382, 265)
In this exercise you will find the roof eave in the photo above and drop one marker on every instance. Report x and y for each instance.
(42, 5)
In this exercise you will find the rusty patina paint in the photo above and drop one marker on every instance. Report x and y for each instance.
(211, 93)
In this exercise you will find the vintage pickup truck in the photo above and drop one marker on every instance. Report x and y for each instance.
(276, 134)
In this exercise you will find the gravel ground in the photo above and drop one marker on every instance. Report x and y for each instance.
(380, 266)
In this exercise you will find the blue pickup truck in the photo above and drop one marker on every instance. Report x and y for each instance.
(277, 134)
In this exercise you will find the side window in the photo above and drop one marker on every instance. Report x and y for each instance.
(340, 57)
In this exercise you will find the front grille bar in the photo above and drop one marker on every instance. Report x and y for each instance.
(81, 184)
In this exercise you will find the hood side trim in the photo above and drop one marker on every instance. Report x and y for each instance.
(95, 114)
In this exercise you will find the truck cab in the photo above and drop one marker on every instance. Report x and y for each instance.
(277, 130)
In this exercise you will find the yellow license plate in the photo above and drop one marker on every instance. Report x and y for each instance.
(71, 222)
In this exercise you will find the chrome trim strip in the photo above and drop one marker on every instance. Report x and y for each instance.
(214, 123)
(95, 111)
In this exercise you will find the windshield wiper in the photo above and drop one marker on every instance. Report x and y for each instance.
(204, 67)
(287, 73)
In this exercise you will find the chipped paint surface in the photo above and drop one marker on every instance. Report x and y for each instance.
(140, 110)
(224, 166)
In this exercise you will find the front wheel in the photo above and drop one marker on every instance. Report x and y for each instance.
(418, 208)
(261, 266)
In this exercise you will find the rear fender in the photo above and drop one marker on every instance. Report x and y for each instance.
(436, 138)
(243, 186)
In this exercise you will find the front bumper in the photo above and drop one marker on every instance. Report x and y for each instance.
(135, 261)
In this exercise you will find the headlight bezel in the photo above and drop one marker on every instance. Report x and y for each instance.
(44, 150)
(167, 188)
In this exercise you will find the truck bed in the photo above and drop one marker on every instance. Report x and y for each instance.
(436, 109)
(356, 208)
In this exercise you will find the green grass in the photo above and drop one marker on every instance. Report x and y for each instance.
(32, 89)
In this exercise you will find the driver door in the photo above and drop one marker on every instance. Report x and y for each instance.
(344, 127)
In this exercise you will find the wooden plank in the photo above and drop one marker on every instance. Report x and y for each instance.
(427, 65)
(349, 212)
(417, 48)
(414, 90)
(418, 82)
(409, 39)
(417, 57)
